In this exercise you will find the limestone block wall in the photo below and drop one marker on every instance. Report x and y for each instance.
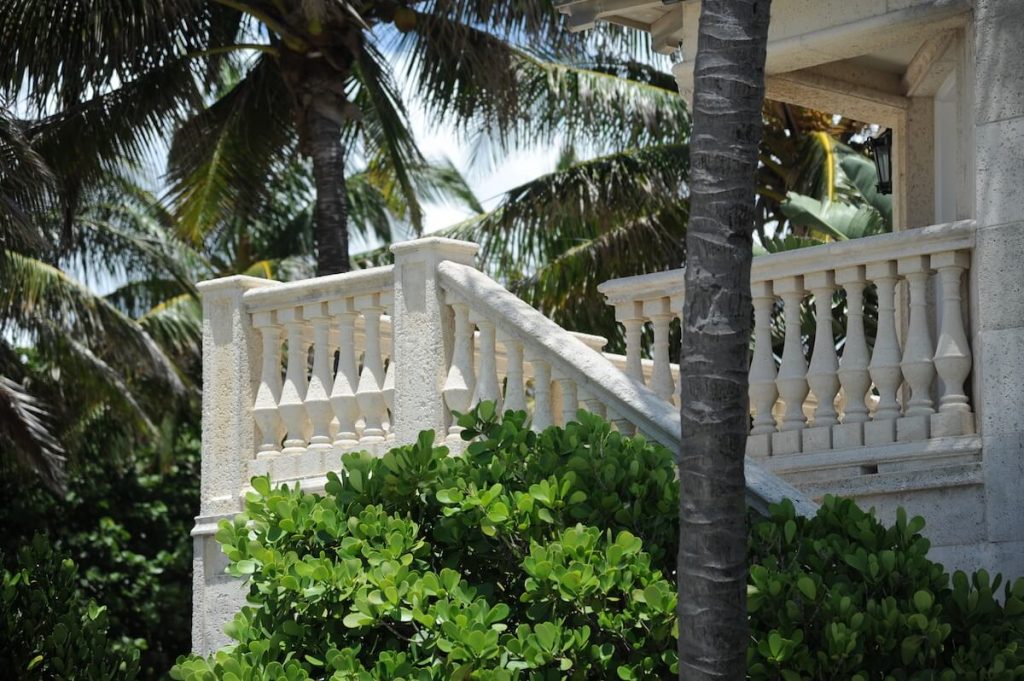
(999, 329)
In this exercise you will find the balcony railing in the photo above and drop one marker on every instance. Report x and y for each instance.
(904, 382)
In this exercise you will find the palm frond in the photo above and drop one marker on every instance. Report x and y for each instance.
(86, 141)
(369, 211)
(25, 187)
(439, 181)
(565, 287)
(176, 324)
(514, 96)
(539, 220)
(537, 21)
(221, 159)
(379, 208)
(461, 72)
(26, 428)
(123, 230)
(63, 52)
(85, 364)
(590, 106)
(39, 297)
(386, 134)
(136, 298)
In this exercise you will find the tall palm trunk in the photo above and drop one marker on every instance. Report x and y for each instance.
(317, 86)
(717, 319)
(331, 213)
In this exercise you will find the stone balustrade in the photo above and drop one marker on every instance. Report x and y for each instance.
(334, 395)
(654, 299)
(905, 382)
(322, 386)
(297, 374)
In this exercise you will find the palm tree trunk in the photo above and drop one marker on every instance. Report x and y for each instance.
(323, 138)
(717, 320)
(317, 86)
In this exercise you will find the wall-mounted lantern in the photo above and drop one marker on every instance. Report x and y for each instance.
(881, 148)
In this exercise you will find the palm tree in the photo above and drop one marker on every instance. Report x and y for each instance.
(70, 357)
(617, 204)
(67, 355)
(248, 84)
(717, 318)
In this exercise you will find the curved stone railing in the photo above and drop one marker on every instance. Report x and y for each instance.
(906, 383)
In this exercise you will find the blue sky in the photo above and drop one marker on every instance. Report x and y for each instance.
(487, 183)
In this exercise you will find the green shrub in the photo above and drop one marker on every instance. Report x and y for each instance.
(48, 630)
(552, 556)
(126, 527)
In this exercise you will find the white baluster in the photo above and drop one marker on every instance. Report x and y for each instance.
(388, 387)
(630, 315)
(952, 352)
(918, 353)
(318, 394)
(368, 393)
(541, 394)
(515, 395)
(792, 377)
(822, 376)
(763, 391)
(569, 401)
(487, 388)
(853, 367)
(459, 384)
(293, 392)
(660, 314)
(264, 409)
(343, 392)
(885, 359)
(590, 402)
(621, 424)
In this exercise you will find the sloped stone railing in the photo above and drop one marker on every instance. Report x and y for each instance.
(908, 387)
(584, 377)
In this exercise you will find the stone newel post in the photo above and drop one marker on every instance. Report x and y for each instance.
(230, 351)
(422, 334)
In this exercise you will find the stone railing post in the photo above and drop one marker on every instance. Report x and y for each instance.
(231, 350)
(422, 331)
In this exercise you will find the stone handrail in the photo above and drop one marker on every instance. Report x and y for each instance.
(583, 376)
(907, 388)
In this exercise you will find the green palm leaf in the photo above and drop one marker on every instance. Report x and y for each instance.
(26, 428)
(492, 88)
(25, 185)
(222, 159)
(386, 136)
(40, 297)
(84, 142)
(539, 220)
(66, 51)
